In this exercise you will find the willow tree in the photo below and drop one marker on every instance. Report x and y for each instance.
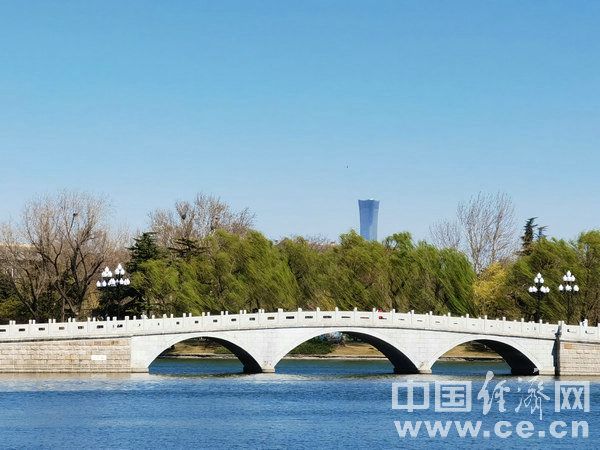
(310, 263)
(438, 280)
(587, 302)
(359, 274)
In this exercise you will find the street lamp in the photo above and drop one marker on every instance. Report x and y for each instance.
(118, 281)
(539, 290)
(569, 290)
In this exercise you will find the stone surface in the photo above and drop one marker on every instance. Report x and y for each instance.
(412, 342)
(579, 358)
(82, 355)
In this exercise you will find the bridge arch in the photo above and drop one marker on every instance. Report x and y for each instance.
(246, 356)
(520, 360)
(398, 356)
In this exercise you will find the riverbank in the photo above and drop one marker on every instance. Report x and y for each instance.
(316, 357)
(347, 351)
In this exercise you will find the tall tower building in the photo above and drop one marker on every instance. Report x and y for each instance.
(368, 210)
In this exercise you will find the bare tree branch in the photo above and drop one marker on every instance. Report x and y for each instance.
(60, 245)
(484, 230)
(198, 219)
(446, 234)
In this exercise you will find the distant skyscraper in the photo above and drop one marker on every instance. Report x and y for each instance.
(368, 209)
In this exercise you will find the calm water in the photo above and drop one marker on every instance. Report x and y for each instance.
(209, 404)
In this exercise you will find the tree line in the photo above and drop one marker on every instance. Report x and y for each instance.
(204, 256)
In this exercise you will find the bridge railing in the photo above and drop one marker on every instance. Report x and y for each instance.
(578, 332)
(299, 318)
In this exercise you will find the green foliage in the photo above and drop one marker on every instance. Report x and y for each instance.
(552, 258)
(528, 235)
(314, 346)
(425, 278)
(436, 280)
(157, 281)
(311, 271)
(234, 272)
(491, 293)
(222, 351)
(266, 274)
(231, 267)
(587, 250)
(11, 308)
(359, 274)
(186, 248)
(144, 249)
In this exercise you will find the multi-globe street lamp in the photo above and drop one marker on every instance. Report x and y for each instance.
(117, 281)
(539, 290)
(569, 289)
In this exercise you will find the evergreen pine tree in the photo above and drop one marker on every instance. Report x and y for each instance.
(528, 236)
(144, 249)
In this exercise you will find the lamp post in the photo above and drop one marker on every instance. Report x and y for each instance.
(539, 290)
(116, 281)
(569, 289)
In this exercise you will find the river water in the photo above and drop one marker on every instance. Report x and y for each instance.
(307, 404)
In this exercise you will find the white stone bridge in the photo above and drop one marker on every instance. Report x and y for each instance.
(412, 342)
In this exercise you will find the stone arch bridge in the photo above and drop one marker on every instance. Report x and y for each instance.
(412, 342)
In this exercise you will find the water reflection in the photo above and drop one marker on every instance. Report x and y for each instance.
(287, 370)
(231, 368)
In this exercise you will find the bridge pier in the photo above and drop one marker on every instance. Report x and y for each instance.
(405, 370)
(267, 368)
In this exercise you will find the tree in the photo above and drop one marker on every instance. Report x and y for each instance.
(193, 221)
(11, 307)
(28, 274)
(528, 236)
(143, 249)
(359, 274)
(232, 273)
(399, 248)
(446, 234)
(310, 267)
(491, 293)
(552, 258)
(488, 224)
(484, 230)
(265, 273)
(541, 232)
(438, 280)
(59, 245)
(587, 302)
(158, 283)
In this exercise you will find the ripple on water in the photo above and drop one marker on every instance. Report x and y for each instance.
(212, 404)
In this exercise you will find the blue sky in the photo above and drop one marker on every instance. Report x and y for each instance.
(298, 109)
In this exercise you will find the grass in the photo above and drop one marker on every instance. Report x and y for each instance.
(313, 347)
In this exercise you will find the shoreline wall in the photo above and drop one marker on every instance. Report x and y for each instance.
(69, 355)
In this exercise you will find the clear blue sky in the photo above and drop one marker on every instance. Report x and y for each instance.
(296, 109)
